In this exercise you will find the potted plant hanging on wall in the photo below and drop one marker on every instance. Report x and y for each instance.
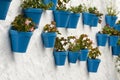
(59, 51)
(49, 34)
(20, 33)
(91, 16)
(73, 49)
(111, 16)
(102, 36)
(117, 25)
(116, 49)
(84, 45)
(4, 6)
(113, 37)
(34, 9)
(74, 16)
(49, 1)
(92, 61)
(61, 15)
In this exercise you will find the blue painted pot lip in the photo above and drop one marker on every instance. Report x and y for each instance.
(73, 52)
(102, 34)
(60, 52)
(6, 0)
(32, 10)
(110, 16)
(88, 13)
(60, 11)
(15, 32)
(49, 34)
(95, 60)
(113, 36)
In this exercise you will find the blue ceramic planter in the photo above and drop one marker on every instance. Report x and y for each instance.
(83, 55)
(110, 20)
(60, 58)
(73, 56)
(34, 14)
(4, 6)
(113, 40)
(116, 50)
(90, 19)
(117, 27)
(93, 64)
(19, 40)
(86, 18)
(101, 39)
(61, 18)
(94, 21)
(73, 20)
(53, 1)
(48, 39)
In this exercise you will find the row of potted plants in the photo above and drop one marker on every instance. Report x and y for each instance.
(63, 16)
(80, 49)
(110, 34)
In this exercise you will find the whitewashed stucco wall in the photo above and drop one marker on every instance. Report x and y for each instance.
(38, 62)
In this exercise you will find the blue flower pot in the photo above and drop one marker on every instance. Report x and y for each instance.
(113, 40)
(72, 56)
(101, 39)
(117, 27)
(53, 1)
(34, 14)
(88, 18)
(48, 39)
(60, 58)
(83, 55)
(4, 6)
(110, 20)
(93, 64)
(94, 21)
(61, 18)
(73, 20)
(19, 40)
(116, 50)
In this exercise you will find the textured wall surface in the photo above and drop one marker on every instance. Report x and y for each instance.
(38, 62)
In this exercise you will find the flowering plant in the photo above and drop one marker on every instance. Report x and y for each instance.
(36, 4)
(62, 5)
(60, 44)
(51, 27)
(110, 31)
(23, 24)
(94, 53)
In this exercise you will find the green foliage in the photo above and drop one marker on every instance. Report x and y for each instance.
(94, 53)
(77, 9)
(84, 42)
(60, 43)
(110, 31)
(73, 46)
(111, 11)
(23, 24)
(36, 4)
(51, 27)
(62, 5)
(95, 11)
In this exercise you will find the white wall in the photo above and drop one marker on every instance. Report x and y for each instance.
(38, 62)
